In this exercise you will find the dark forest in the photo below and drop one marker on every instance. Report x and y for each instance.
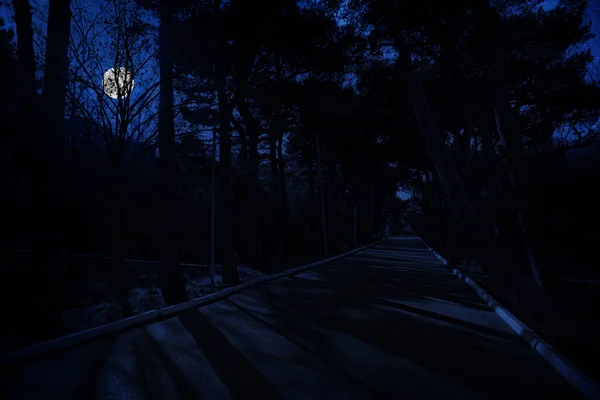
(156, 152)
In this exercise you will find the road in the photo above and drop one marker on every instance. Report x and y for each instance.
(388, 322)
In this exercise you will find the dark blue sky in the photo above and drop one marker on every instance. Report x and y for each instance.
(594, 44)
(593, 14)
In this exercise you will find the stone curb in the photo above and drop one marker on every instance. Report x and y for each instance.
(51, 346)
(577, 378)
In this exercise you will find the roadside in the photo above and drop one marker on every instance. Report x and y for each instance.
(145, 296)
(87, 299)
(569, 321)
(89, 304)
(571, 330)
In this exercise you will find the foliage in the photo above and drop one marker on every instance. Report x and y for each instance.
(287, 82)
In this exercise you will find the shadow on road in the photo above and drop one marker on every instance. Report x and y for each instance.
(242, 379)
(430, 320)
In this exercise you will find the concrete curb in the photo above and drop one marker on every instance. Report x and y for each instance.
(125, 260)
(577, 378)
(51, 346)
(435, 253)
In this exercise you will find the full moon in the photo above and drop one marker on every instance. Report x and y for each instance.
(117, 78)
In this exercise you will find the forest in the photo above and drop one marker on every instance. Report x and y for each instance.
(319, 126)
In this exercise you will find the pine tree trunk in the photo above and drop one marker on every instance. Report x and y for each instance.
(52, 116)
(274, 233)
(225, 210)
(274, 174)
(243, 148)
(322, 197)
(171, 273)
(255, 241)
(283, 198)
(35, 147)
(371, 212)
(117, 273)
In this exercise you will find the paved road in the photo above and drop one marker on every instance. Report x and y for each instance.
(389, 322)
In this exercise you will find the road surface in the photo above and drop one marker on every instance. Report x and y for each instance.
(388, 322)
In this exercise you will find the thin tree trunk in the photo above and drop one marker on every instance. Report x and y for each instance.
(172, 277)
(322, 195)
(354, 225)
(29, 145)
(118, 274)
(493, 171)
(213, 206)
(43, 131)
(255, 241)
(274, 173)
(56, 71)
(282, 180)
(329, 209)
(311, 195)
(52, 116)
(372, 211)
(252, 130)
(465, 146)
(225, 225)
(243, 145)
(26, 61)
(274, 233)
(283, 198)
(382, 220)
(278, 136)
(333, 198)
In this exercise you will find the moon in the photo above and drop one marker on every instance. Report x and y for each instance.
(115, 79)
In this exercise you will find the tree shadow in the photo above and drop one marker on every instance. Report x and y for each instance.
(146, 347)
(242, 379)
(469, 358)
(374, 307)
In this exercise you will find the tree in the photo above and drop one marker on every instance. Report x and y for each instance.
(449, 50)
(172, 278)
(51, 137)
(40, 143)
(126, 123)
(8, 69)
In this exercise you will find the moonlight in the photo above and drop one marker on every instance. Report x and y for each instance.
(117, 79)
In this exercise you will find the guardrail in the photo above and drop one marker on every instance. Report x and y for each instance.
(16, 356)
(130, 260)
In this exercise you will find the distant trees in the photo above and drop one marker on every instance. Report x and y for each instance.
(266, 85)
(315, 130)
(484, 82)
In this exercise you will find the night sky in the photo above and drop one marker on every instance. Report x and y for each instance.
(594, 15)
(593, 43)
(594, 5)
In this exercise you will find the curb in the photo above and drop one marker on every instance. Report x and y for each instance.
(435, 253)
(128, 260)
(577, 378)
(51, 346)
